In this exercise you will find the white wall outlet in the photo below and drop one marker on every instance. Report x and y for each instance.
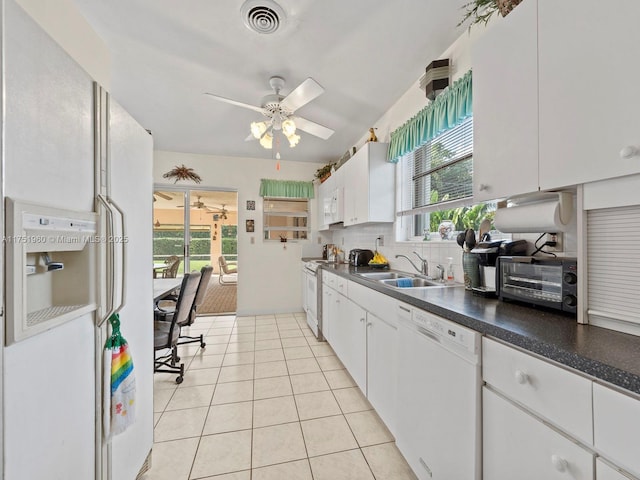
(554, 237)
(253, 240)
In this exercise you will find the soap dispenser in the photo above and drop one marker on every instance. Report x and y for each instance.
(450, 270)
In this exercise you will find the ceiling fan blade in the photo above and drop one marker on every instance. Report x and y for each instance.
(250, 137)
(163, 195)
(313, 128)
(236, 103)
(301, 95)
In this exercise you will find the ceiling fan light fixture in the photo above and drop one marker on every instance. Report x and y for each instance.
(267, 141)
(258, 129)
(289, 128)
(293, 140)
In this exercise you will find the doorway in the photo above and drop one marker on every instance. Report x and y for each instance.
(198, 226)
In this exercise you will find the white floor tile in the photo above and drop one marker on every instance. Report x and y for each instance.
(222, 453)
(177, 424)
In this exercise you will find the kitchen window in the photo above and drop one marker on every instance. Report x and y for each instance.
(286, 218)
(435, 185)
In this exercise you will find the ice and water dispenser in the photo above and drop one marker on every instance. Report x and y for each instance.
(51, 264)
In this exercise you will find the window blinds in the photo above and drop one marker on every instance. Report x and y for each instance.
(441, 171)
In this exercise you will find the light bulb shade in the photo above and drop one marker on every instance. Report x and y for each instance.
(288, 127)
(267, 141)
(293, 140)
(258, 128)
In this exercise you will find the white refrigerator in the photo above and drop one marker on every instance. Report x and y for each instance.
(64, 142)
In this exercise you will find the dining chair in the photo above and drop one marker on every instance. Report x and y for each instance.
(227, 268)
(171, 271)
(165, 308)
(166, 331)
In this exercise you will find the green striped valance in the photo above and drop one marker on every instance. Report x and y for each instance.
(446, 111)
(286, 188)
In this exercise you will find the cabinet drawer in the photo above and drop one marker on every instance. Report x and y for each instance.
(383, 306)
(562, 397)
(341, 285)
(329, 279)
(518, 446)
(616, 426)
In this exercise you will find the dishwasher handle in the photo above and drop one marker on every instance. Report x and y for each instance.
(427, 333)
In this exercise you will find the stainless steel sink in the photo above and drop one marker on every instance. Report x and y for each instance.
(415, 283)
(383, 275)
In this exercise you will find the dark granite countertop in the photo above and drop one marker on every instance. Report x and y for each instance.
(603, 354)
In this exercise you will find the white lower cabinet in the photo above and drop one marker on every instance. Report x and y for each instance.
(382, 368)
(518, 446)
(349, 339)
(616, 420)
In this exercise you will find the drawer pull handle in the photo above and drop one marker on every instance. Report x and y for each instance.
(521, 377)
(559, 463)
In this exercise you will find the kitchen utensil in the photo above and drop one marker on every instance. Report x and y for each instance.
(460, 239)
(484, 228)
(486, 237)
(470, 238)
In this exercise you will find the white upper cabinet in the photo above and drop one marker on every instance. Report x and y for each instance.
(589, 93)
(554, 97)
(369, 186)
(505, 106)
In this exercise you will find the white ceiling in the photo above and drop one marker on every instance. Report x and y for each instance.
(365, 54)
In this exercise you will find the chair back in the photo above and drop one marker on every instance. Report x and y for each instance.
(224, 267)
(172, 269)
(205, 276)
(187, 294)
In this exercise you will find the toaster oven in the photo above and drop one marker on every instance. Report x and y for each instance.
(546, 282)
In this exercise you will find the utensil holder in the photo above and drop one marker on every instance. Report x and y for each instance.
(471, 269)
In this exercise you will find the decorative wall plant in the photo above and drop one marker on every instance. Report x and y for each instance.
(182, 173)
(480, 11)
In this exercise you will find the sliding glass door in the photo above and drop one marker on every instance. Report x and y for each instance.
(198, 226)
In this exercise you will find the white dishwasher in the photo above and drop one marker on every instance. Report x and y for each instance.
(439, 392)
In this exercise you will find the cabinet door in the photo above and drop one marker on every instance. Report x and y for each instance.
(356, 191)
(324, 204)
(516, 445)
(588, 90)
(505, 106)
(327, 301)
(382, 345)
(616, 427)
(349, 339)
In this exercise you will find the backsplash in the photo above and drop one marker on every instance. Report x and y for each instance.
(436, 252)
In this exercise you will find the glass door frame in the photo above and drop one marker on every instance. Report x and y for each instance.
(186, 192)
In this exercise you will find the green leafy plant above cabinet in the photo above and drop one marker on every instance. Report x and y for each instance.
(480, 11)
(323, 173)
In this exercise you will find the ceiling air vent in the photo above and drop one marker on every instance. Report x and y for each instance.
(262, 16)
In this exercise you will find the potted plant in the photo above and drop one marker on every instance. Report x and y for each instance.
(323, 173)
(480, 11)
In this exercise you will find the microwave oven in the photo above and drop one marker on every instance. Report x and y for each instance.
(545, 282)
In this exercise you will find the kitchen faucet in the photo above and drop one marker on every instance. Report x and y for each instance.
(423, 269)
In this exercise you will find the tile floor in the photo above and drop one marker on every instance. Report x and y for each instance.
(266, 401)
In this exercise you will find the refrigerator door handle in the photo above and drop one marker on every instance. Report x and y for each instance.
(112, 240)
(109, 261)
(123, 243)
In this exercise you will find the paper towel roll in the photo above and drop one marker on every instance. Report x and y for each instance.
(531, 218)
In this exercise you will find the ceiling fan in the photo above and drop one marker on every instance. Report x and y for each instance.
(279, 112)
(161, 195)
(199, 204)
(219, 212)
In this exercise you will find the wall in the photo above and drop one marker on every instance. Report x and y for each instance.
(64, 23)
(268, 272)
(405, 108)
